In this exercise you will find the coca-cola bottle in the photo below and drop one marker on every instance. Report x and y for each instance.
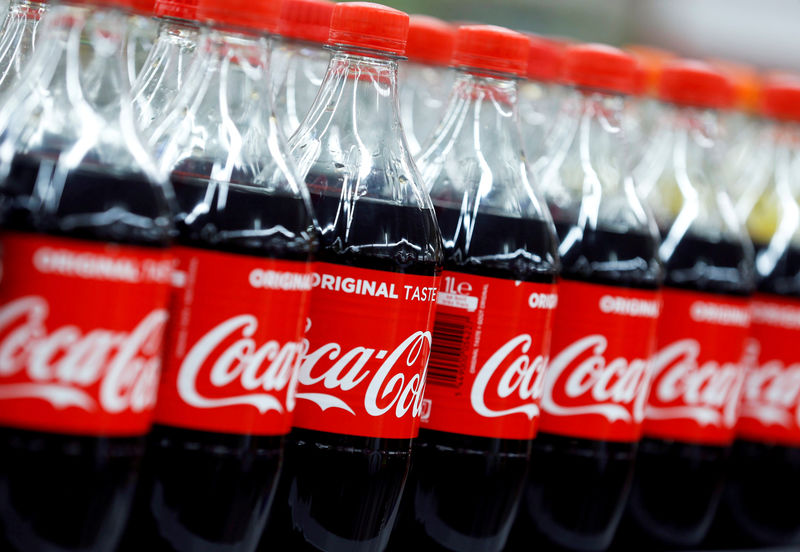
(697, 369)
(360, 386)
(596, 382)
(491, 333)
(426, 79)
(540, 97)
(764, 467)
(164, 74)
(18, 38)
(84, 229)
(245, 234)
(300, 59)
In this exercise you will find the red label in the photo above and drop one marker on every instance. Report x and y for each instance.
(697, 368)
(235, 343)
(770, 405)
(81, 326)
(597, 380)
(491, 338)
(369, 335)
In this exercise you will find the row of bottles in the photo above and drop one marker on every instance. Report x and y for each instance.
(518, 326)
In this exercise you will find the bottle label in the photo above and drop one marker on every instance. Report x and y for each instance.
(491, 339)
(81, 326)
(369, 335)
(770, 405)
(597, 380)
(698, 367)
(234, 343)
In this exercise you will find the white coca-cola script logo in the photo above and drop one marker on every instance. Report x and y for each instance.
(386, 386)
(62, 364)
(615, 389)
(240, 363)
(522, 376)
(771, 392)
(706, 393)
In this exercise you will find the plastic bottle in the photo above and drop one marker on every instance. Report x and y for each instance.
(765, 460)
(540, 98)
(235, 340)
(597, 379)
(164, 74)
(359, 393)
(426, 79)
(84, 226)
(18, 38)
(300, 59)
(698, 366)
(493, 320)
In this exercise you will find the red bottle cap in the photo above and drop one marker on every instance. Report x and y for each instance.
(491, 48)
(640, 79)
(258, 15)
(695, 83)
(430, 40)
(780, 98)
(306, 20)
(599, 66)
(746, 83)
(178, 9)
(651, 61)
(371, 26)
(142, 7)
(545, 59)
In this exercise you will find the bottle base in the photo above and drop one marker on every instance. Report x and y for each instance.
(574, 496)
(65, 492)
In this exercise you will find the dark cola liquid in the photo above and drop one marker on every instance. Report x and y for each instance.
(200, 490)
(577, 488)
(72, 492)
(340, 492)
(463, 491)
(677, 485)
(763, 478)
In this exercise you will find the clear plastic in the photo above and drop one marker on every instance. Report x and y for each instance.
(684, 187)
(299, 68)
(746, 158)
(142, 32)
(588, 187)
(773, 218)
(539, 104)
(351, 148)
(18, 39)
(424, 90)
(163, 75)
(642, 122)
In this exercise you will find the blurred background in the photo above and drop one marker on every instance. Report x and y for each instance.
(765, 33)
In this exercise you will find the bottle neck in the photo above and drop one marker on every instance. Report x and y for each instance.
(587, 176)
(481, 116)
(358, 102)
(298, 69)
(222, 122)
(18, 36)
(164, 73)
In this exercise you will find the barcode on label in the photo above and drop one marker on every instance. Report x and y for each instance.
(452, 334)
